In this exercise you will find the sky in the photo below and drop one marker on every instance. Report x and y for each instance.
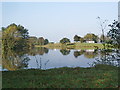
(55, 20)
(119, 11)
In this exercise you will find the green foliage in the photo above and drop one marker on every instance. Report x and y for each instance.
(46, 41)
(114, 33)
(41, 41)
(81, 40)
(105, 39)
(14, 37)
(37, 41)
(32, 41)
(64, 40)
(91, 37)
(77, 38)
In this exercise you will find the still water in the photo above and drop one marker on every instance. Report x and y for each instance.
(55, 59)
(43, 58)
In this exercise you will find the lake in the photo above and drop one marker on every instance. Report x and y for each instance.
(43, 58)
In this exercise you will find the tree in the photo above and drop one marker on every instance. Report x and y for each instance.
(103, 27)
(46, 41)
(14, 37)
(91, 37)
(32, 41)
(114, 33)
(41, 41)
(107, 39)
(81, 40)
(102, 38)
(77, 38)
(64, 40)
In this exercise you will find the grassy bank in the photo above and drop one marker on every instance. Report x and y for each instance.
(89, 45)
(101, 76)
(76, 45)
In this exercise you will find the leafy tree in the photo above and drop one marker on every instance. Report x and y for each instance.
(77, 38)
(64, 40)
(81, 40)
(91, 37)
(37, 41)
(41, 41)
(46, 41)
(33, 41)
(14, 37)
(114, 33)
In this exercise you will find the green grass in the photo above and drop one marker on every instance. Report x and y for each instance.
(101, 76)
(89, 45)
(76, 45)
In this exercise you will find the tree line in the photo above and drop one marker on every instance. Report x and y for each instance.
(87, 37)
(112, 37)
(37, 41)
(17, 37)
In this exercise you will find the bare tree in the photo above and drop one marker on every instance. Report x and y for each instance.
(103, 25)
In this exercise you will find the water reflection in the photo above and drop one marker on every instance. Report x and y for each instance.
(90, 53)
(78, 53)
(108, 57)
(12, 60)
(39, 62)
(43, 58)
(38, 51)
(65, 51)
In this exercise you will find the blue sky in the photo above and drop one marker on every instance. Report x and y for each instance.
(57, 20)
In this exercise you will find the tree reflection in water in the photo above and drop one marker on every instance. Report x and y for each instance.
(65, 51)
(14, 60)
(90, 53)
(78, 53)
(108, 57)
(38, 51)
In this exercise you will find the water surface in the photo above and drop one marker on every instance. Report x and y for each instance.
(43, 58)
